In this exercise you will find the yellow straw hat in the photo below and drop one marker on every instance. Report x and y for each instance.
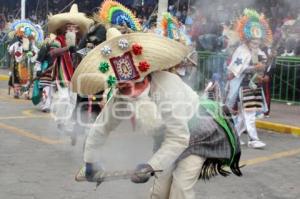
(57, 21)
(127, 57)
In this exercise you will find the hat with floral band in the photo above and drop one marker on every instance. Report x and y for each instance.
(123, 58)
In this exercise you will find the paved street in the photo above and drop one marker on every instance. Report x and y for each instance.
(38, 162)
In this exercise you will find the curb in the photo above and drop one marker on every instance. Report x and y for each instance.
(4, 77)
(277, 127)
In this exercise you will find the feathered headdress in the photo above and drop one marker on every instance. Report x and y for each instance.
(112, 12)
(254, 26)
(170, 26)
(172, 29)
(25, 28)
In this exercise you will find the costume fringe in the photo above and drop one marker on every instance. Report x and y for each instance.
(214, 166)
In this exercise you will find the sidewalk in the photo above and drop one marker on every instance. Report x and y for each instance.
(4, 74)
(283, 118)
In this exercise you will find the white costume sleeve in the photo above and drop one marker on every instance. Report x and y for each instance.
(177, 103)
(103, 126)
(240, 60)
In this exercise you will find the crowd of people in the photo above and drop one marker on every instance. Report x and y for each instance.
(39, 10)
(91, 73)
(209, 27)
(205, 27)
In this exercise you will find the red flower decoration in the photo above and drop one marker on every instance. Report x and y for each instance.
(137, 49)
(144, 66)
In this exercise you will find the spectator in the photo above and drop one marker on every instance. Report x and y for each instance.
(178, 13)
(183, 16)
(2, 22)
(188, 20)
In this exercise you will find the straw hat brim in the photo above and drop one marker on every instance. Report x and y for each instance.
(160, 52)
(56, 22)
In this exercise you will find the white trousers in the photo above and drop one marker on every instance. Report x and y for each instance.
(178, 183)
(246, 121)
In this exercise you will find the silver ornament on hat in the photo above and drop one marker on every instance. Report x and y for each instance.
(123, 44)
(106, 50)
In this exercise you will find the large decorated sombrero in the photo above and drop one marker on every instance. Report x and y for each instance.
(254, 26)
(122, 58)
(57, 21)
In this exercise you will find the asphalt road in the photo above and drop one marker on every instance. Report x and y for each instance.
(38, 162)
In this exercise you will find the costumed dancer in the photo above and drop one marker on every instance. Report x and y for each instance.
(88, 107)
(171, 28)
(43, 81)
(111, 13)
(246, 66)
(24, 53)
(266, 79)
(68, 27)
(189, 144)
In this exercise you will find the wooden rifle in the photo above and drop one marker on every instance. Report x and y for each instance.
(105, 176)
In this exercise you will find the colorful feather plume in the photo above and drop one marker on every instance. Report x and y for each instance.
(29, 29)
(170, 26)
(254, 26)
(113, 12)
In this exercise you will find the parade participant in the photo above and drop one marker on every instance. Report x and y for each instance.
(44, 80)
(111, 13)
(24, 53)
(246, 66)
(89, 106)
(68, 27)
(171, 28)
(266, 79)
(186, 147)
